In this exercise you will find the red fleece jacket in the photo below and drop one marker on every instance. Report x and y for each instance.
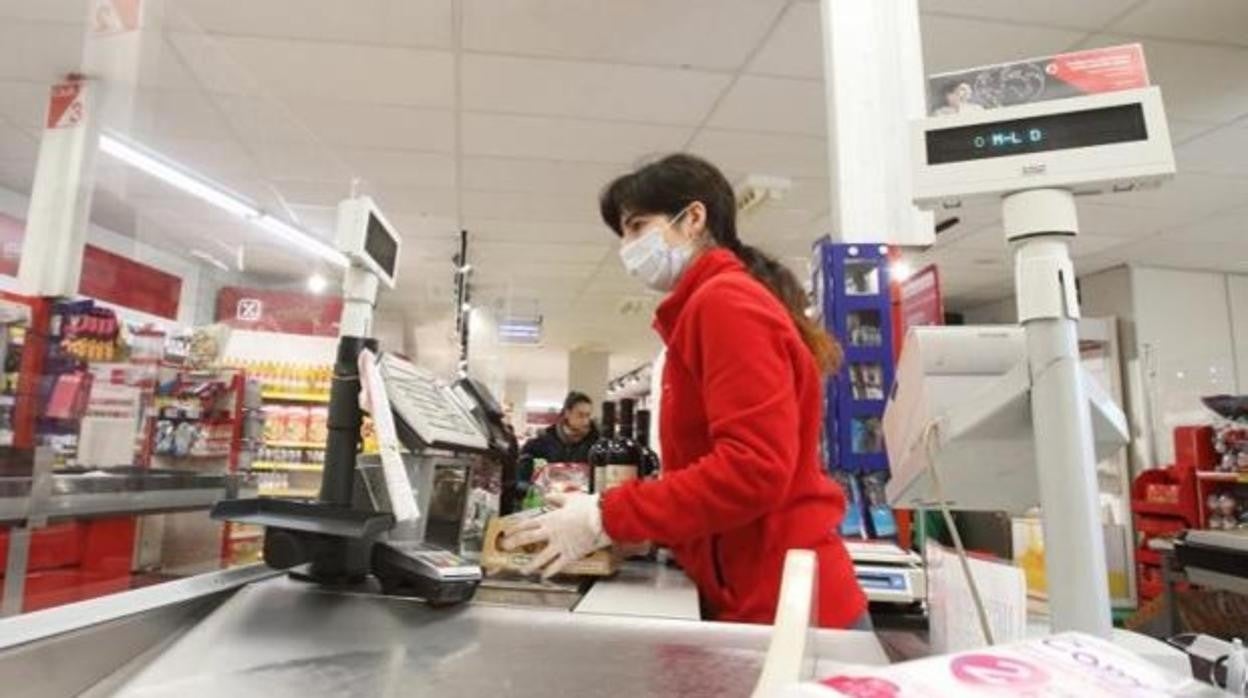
(741, 483)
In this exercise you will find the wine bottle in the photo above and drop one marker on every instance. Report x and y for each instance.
(649, 459)
(598, 452)
(624, 455)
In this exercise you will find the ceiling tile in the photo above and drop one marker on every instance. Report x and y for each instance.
(401, 198)
(389, 168)
(1226, 227)
(795, 47)
(424, 23)
(69, 11)
(340, 71)
(286, 160)
(540, 252)
(717, 34)
(1219, 152)
(1223, 256)
(752, 104)
(1200, 82)
(953, 43)
(556, 208)
(1102, 216)
(537, 176)
(1198, 20)
(355, 124)
(589, 90)
(24, 103)
(16, 144)
(567, 139)
(1078, 14)
(1190, 194)
(764, 153)
(39, 51)
(512, 230)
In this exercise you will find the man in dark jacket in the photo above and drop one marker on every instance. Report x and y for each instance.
(566, 441)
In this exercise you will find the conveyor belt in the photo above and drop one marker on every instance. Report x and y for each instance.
(280, 638)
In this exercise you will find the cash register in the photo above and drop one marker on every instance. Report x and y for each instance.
(345, 538)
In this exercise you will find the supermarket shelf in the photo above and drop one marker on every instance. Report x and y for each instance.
(315, 398)
(289, 467)
(296, 444)
(290, 492)
(194, 455)
(1223, 477)
(1158, 508)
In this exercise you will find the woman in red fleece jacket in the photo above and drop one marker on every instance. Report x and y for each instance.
(741, 411)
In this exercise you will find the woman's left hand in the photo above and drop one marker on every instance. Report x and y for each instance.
(571, 531)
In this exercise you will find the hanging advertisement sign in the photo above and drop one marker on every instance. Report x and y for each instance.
(1038, 79)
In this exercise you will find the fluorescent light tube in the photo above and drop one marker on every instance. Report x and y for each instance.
(181, 178)
(171, 174)
(297, 237)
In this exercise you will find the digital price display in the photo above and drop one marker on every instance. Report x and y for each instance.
(1078, 129)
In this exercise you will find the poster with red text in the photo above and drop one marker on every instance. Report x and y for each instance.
(1038, 79)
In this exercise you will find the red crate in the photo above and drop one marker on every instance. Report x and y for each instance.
(1193, 447)
(1180, 481)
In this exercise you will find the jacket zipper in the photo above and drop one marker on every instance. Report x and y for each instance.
(719, 570)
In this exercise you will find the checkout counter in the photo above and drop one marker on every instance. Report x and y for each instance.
(256, 632)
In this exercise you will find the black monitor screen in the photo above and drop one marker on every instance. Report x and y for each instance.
(380, 246)
(1077, 129)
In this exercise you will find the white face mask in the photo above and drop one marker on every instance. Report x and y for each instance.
(652, 260)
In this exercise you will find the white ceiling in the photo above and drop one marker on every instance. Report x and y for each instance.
(505, 117)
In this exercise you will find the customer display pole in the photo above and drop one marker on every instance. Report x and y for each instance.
(1040, 225)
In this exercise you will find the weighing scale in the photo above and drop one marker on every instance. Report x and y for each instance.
(887, 573)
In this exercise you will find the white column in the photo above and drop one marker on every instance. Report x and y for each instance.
(873, 76)
(588, 372)
(60, 199)
(516, 394)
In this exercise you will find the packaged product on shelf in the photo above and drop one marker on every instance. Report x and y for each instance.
(274, 424)
(296, 425)
(318, 425)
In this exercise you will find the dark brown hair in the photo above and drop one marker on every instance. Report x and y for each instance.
(573, 399)
(668, 185)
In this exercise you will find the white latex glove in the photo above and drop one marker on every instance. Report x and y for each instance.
(571, 531)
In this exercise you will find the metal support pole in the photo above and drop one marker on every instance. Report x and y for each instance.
(1040, 224)
(463, 310)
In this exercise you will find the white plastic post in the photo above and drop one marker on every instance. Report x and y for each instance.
(60, 199)
(1040, 224)
(787, 662)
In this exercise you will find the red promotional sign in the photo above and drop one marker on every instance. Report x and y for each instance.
(65, 108)
(105, 276)
(279, 311)
(116, 279)
(919, 302)
(114, 17)
(1058, 76)
(1101, 69)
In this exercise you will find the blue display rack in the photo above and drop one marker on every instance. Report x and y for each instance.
(852, 288)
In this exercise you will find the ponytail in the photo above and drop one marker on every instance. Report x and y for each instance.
(785, 287)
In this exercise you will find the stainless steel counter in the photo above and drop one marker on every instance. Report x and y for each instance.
(280, 638)
(643, 590)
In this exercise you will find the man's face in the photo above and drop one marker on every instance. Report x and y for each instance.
(576, 420)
